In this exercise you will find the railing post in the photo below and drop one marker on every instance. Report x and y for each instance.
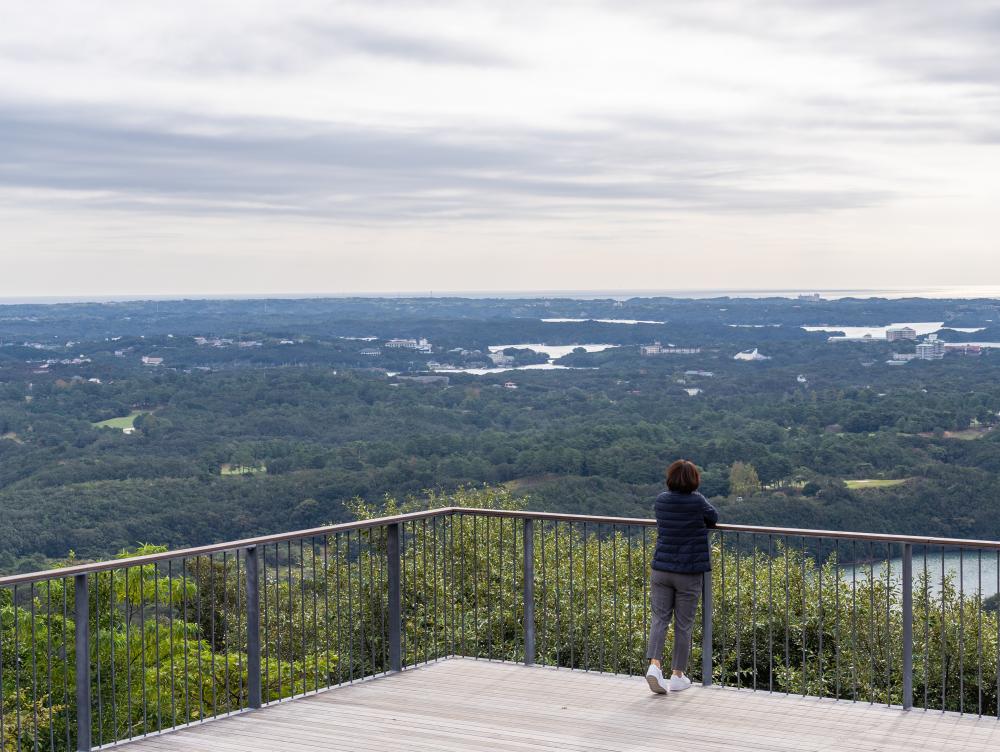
(706, 629)
(529, 592)
(907, 626)
(253, 627)
(395, 598)
(81, 619)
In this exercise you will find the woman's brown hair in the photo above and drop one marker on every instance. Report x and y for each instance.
(683, 477)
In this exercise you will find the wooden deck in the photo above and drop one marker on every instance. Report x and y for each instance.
(461, 704)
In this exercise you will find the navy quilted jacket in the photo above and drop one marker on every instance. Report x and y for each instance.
(682, 523)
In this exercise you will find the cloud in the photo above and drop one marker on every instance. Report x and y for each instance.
(429, 50)
(776, 124)
(342, 172)
(307, 43)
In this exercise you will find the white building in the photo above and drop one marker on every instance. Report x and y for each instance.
(932, 349)
(902, 332)
(151, 361)
(653, 349)
(410, 344)
(751, 355)
(657, 349)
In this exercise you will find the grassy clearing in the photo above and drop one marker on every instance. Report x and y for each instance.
(532, 481)
(228, 469)
(127, 421)
(968, 434)
(875, 483)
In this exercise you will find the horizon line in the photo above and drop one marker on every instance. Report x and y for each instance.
(614, 294)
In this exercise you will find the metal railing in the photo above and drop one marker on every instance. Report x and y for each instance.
(95, 654)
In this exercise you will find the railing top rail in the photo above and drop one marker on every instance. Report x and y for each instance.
(102, 566)
(919, 540)
(183, 553)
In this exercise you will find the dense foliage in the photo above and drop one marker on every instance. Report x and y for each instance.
(283, 421)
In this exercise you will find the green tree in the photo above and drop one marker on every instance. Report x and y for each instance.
(743, 480)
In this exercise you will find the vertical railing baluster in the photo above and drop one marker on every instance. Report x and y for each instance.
(556, 563)
(819, 590)
(395, 599)
(586, 603)
(739, 623)
(434, 567)
(253, 627)
(81, 617)
(854, 621)
(34, 662)
(184, 620)
(753, 607)
(424, 601)
(529, 592)
(907, 626)
(944, 640)
(326, 608)
(888, 625)
(927, 630)
(706, 629)
(770, 613)
(836, 610)
(451, 581)
(571, 605)
(979, 630)
(600, 592)
(630, 632)
(48, 654)
(170, 632)
(788, 640)
(961, 630)
(17, 674)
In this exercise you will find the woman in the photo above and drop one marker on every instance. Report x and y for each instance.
(680, 561)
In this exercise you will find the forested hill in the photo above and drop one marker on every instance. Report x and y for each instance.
(370, 316)
(276, 429)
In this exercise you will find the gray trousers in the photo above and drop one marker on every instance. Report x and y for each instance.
(673, 594)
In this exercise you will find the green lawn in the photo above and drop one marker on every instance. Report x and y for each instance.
(228, 469)
(127, 421)
(875, 483)
(531, 481)
(968, 434)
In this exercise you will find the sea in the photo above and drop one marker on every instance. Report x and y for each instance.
(958, 291)
(967, 570)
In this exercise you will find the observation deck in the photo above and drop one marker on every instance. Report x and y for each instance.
(463, 629)
(463, 704)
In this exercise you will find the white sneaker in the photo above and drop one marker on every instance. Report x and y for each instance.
(679, 683)
(655, 680)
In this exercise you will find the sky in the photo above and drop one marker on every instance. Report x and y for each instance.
(254, 147)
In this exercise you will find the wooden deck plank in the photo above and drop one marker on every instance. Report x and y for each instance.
(462, 704)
